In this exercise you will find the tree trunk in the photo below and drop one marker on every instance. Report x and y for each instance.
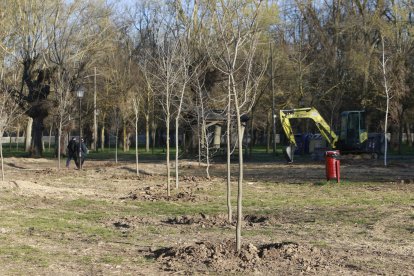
(58, 142)
(17, 136)
(153, 132)
(387, 94)
(116, 146)
(28, 138)
(1, 156)
(38, 127)
(167, 140)
(205, 138)
(103, 138)
(64, 139)
(176, 151)
(125, 139)
(240, 131)
(50, 135)
(268, 134)
(400, 130)
(147, 133)
(409, 135)
(199, 136)
(252, 140)
(229, 210)
(136, 144)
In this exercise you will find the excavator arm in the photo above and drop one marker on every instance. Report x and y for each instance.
(299, 113)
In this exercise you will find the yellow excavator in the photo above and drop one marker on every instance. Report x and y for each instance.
(353, 136)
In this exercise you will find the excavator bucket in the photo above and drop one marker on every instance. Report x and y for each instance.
(289, 152)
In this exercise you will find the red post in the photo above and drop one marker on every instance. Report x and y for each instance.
(332, 165)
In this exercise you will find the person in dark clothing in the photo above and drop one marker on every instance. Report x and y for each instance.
(81, 152)
(71, 151)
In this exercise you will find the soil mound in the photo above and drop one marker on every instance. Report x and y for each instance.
(205, 220)
(222, 257)
(158, 193)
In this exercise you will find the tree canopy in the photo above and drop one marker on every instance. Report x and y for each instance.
(323, 54)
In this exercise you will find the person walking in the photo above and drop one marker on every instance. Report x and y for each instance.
(71, 151)
(81, 153)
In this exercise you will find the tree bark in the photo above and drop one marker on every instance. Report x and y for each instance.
(37, 130)
(28, 138)
(153, 132)
(58, 142)
(400, 130)
(1, 156)
(116, 145)
(136, 144)
(409, 136)
(17, 136)
(125, 137)
(252, 136)
(50, 136)
(228, 138)
(147, 133)
(240, 132)
(103, 138)
(268, 134)
(167, 140)
(176, 151)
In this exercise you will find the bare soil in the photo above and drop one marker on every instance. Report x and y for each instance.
(294, 222)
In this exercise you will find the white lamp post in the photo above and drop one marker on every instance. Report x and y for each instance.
(79, 93)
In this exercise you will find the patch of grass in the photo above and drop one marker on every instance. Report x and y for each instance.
(319, 243)
(24, 254)
(49, 225)
(171, 208)
(321, 183)
(85, 260)
(82, 232)
(111, 259)
(268, 232)
(326, 195)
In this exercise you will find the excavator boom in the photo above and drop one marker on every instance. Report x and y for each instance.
(311, 113)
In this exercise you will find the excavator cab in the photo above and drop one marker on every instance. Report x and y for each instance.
(353, 133)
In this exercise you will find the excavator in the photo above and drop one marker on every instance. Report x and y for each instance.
(352, 137)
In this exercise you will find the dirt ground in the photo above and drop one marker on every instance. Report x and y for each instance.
(106, 220)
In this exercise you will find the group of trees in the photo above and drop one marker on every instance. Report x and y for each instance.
(166, 64)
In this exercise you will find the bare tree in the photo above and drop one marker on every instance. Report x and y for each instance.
(238, 37)
(185, 60)
(36, 24)
(145, 17)
(167, 73)
(122, 80)
(115, 124)
(387, 91)
(9, 111)
(136, 100)
(64, 55)
(203, 142)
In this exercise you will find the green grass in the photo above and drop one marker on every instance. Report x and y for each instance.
(38, 232)
(258, 154)
(24, 253)
(110, 259)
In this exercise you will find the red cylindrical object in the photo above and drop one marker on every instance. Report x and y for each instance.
(332, 165)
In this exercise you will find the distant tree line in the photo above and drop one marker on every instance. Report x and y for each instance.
(165, 56)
